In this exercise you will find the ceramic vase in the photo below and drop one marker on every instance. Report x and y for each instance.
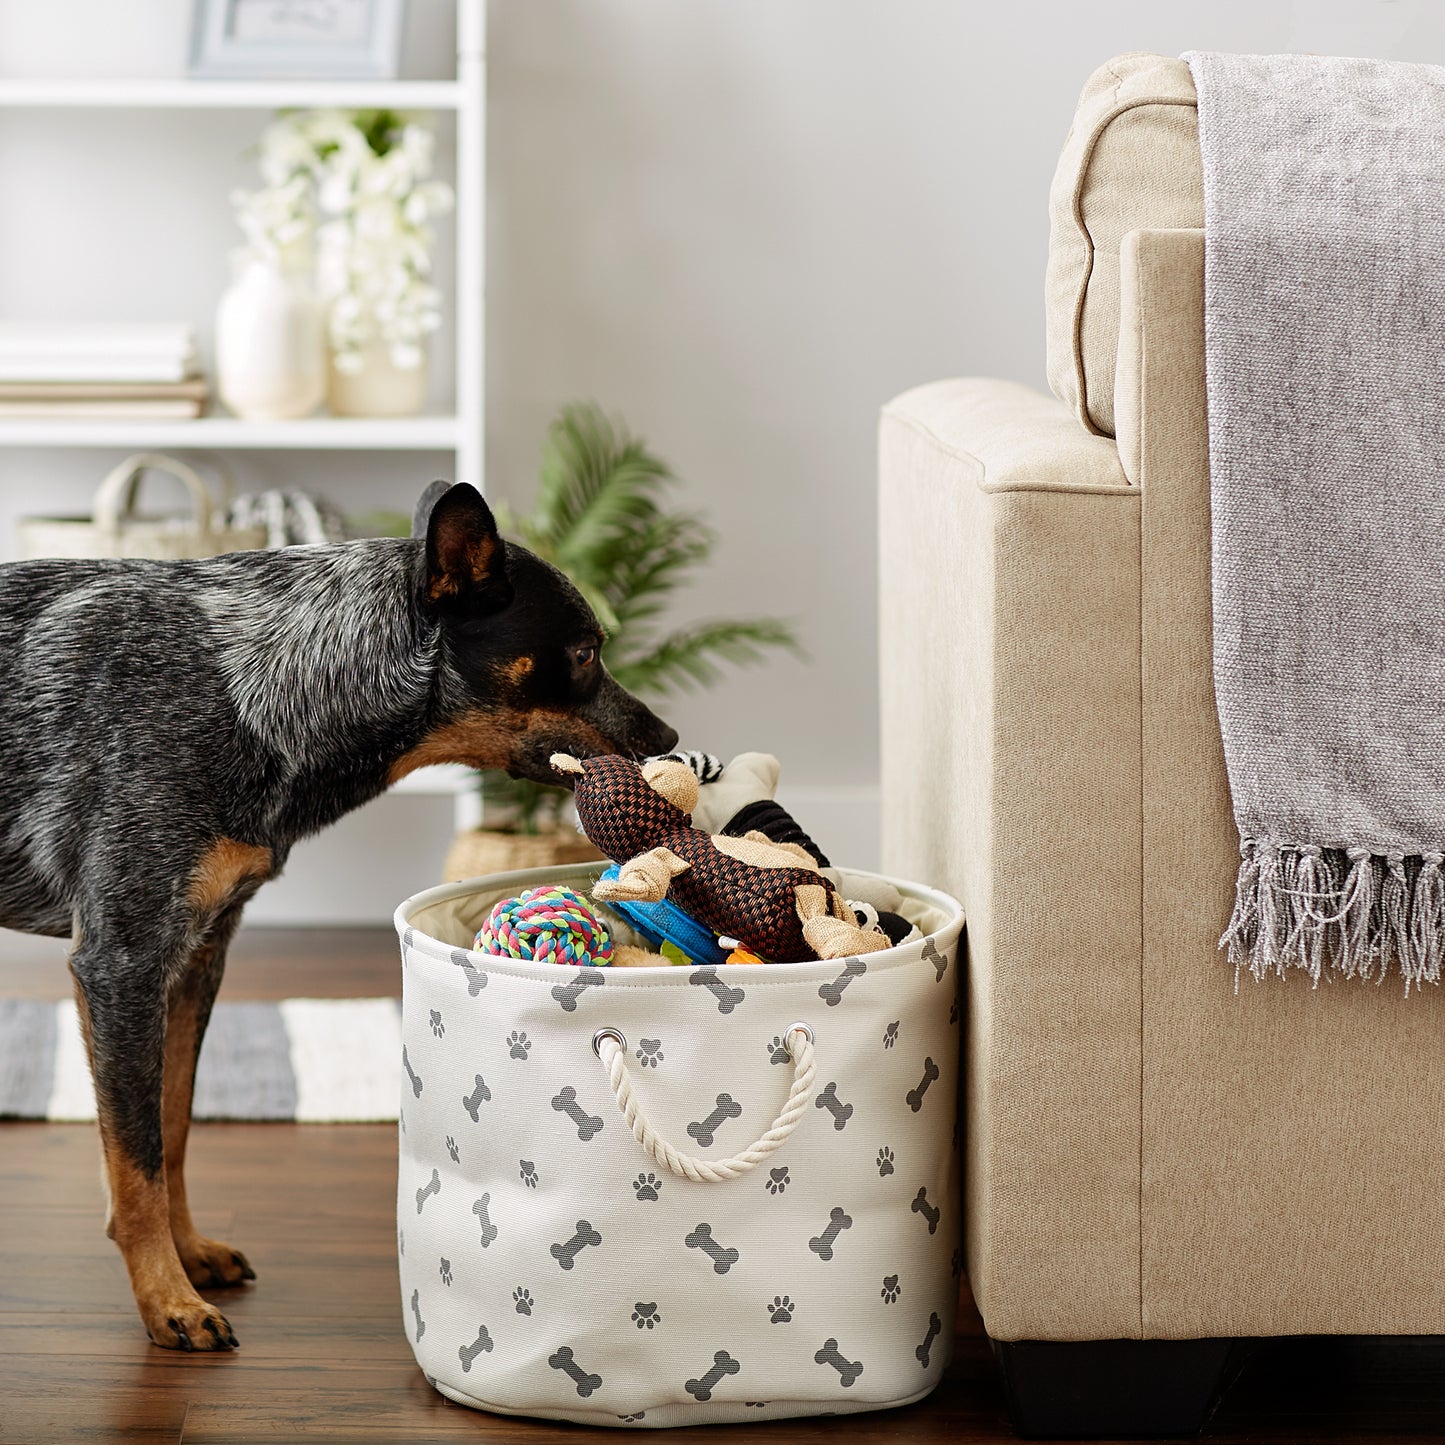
(270, 342)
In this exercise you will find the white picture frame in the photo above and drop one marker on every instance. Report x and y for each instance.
(296, 39)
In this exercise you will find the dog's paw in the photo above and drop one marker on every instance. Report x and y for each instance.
(179, 1323)
(209, 1264)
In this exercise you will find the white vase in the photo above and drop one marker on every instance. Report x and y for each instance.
(379, 388)
(270, 342)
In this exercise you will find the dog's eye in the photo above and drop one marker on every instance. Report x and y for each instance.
(584, 656)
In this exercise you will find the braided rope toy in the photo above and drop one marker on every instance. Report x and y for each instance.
(547, 925)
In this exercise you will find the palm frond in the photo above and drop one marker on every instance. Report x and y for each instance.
(694, 656)
(597, 484)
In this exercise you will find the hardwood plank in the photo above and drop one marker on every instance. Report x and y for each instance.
(264, 963)
(323, 1354)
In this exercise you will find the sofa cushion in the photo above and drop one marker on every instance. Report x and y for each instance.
(1131, 161)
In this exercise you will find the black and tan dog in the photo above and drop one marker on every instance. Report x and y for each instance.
(169, 730)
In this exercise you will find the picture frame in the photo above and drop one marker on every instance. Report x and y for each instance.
(296, 39)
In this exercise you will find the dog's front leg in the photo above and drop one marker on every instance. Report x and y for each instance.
(207, 1262)
(121, 995)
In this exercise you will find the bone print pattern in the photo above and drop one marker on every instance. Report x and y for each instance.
(838, 1221)
(587, 1124)
(566, 1253)
(723, 1364)
(706, 1129)
(564, 1360)
(476, 977)
(483, 1344)
(511, 1081)
(832, 993)
(722, 1259)
(848, 1370)
(830, 1101)
(915, 1096)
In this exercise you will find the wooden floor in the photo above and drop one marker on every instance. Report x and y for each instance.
(323, 1355)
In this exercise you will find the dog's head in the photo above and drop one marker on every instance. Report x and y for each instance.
(522, 675)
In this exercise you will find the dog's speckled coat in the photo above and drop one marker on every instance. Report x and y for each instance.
(170, 729)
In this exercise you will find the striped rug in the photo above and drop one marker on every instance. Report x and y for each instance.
(307, 1059)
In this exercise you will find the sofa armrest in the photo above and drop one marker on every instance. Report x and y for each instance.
(1009, 625)
(1004, 435)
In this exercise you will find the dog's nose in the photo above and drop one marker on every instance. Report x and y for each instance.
(667, 739)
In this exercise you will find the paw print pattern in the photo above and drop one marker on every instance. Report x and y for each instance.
(890, 1034)
(522, 1298)
(891, 1289)
(645, 1316)
(437, 1026)
(445, 1271)
(778, 1051)
(781, 1309)
(453, 1150)
(528, 1171)
(885, 1162)
(646, 1187)
(778, 1180)
(649, 1053)
(519, 1044)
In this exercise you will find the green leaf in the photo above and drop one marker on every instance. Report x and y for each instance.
(694, 656)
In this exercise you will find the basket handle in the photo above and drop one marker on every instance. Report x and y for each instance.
(115, 498)
(611, 1047)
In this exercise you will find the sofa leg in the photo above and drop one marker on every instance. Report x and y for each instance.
(1111, 1387)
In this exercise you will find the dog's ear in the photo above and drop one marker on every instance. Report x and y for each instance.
(424, 504)
(466, 559)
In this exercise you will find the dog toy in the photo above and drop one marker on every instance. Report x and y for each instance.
(547, 925)
(666, 927)
(768, 896)
(739, 798)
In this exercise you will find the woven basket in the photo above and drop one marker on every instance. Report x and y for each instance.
(114, 530)
(484, 851)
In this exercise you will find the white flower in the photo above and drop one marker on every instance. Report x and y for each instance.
(366, 217)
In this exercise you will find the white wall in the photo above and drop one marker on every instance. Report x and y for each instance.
(742, 224)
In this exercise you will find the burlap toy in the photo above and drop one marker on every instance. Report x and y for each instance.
(770, 896)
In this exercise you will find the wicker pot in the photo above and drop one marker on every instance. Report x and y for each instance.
(484, 851)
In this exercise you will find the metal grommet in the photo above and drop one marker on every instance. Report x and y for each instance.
(800, 1028)
(608, 1034)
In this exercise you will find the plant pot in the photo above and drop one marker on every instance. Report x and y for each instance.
(380, 388)
(483, 851)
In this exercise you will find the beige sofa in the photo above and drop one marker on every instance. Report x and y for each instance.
(1151, 1155)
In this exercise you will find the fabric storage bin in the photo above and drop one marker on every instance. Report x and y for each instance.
(556, 1258)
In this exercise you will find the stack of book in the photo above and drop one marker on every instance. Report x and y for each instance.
(77, 370)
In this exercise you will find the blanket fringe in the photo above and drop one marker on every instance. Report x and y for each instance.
(1347, 912)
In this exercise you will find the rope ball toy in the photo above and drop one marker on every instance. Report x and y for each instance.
(547, 925)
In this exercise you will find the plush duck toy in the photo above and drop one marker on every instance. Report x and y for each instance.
(768, 895)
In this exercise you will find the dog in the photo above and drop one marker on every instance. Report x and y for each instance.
(169, 730)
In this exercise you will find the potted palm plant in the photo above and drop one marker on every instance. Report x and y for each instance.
(603, 515)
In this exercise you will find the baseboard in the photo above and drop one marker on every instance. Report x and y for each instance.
(358, 871)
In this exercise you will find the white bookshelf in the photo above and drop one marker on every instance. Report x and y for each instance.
(235, 94)
(460, 432)
(221, 433)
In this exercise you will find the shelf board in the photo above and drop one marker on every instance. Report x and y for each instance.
(104, 94)
(321, 433)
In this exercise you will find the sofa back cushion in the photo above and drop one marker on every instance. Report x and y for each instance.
(1131, 161)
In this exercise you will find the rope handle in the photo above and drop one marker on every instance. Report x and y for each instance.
(611, 1047)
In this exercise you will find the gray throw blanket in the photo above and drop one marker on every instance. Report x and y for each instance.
(1324, 204)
